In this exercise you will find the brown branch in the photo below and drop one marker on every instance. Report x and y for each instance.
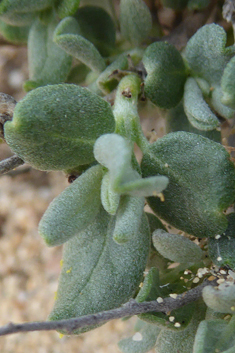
(10, 163)
(129, 309)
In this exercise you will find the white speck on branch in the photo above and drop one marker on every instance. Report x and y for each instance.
(129, 309)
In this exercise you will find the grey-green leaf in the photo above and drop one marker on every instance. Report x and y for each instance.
(74, 209)
(222, 249)
(207, 55)
(197, 110)
(166, 74)
(98, 274)
(67, 36)
(228, 84)
(180, 341)
(14, 34)
(55, 127)
(220, 299)
(176, 247)
(97, 26)
(109, 198)
(201, 182)
(135, 20)
(142, 341)
(128, 218)
(177, 120)
(66, 8)
(42, 55)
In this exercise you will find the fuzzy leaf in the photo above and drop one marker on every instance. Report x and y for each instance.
(7, 6)
(115, 153)
(154, 222)
(180, 341)
(19, 18)
(142, 342)
(135, 20)
(216, 102)
(106, 82)
(176, 247)
(109, 198)
(208, 335)
(166, 75)
(220, 299)
(128, 218)
(74, 209)
(97, 273)
(55, 127)
(151, 290)
(66, 8)
(97, 26)
(176, 120)
(67, 36)
(201, 182)
(197, 110)
(222, 250)
(228, 84)
(207, 55)
(42, 55)
(14, 34)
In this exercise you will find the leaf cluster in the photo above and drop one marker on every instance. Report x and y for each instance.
(65, 122)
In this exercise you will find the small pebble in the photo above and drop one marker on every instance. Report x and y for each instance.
(137, 337)
(159, 300)
(177, 324)
(173, 295)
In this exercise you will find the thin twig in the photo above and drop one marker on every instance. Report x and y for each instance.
(129, 309)
(10, 163)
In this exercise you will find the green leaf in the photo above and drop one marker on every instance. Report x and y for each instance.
(115, 153)
(176, 247)
(135, 20)
(142, 341)
(180, 341)
(175, 4)
(74, 209)
(208, 335)
(176, 120)
(201, 182)
(228, 84)
(42, 55)
(166, 74)
(152, 290)
(207, 55)
(19, 18)
(109, 198)
(128, 218)
(154, 222)
(106, 81)
(97, 26)
(216, 102)
(97, 273)
(197, 110)
(198, 4)
(221, 299)
(55, 127)
(14, 34)
(67, 36)
(7, 6)
(222, 250)
(66, 8)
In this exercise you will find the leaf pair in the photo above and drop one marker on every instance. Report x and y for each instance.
(206, 56)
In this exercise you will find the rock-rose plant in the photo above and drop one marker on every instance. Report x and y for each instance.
(88, 71)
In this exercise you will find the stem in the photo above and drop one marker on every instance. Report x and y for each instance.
(126, 113)
(10, 163)
(129, 309)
